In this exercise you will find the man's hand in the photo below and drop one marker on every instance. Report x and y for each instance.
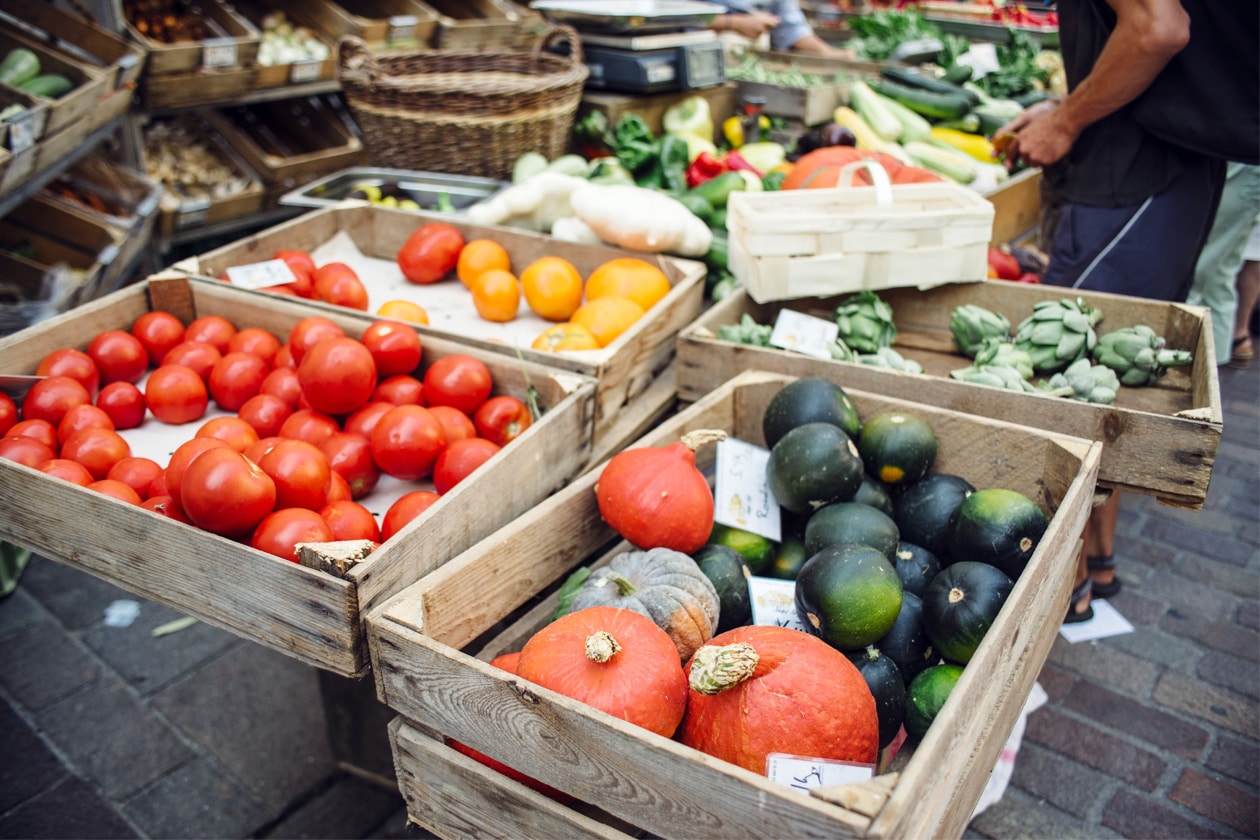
(752, 25)
(1039, 136)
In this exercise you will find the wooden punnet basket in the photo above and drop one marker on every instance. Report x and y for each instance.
(810, 243)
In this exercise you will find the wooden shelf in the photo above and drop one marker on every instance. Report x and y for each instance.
(37, 180)
(271, 94)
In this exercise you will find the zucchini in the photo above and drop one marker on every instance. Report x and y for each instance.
(921, 81)
(50, 86)
(697, 204)
(951, 163)
(20, 65)
(913, 125)
(872, 109)
(718, 189)
(1032, 97)
(866, 138)
(941, 106)
(957, 74)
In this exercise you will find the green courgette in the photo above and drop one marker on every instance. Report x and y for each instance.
(20, 65)
(957, 74)
(49, 86)
(940, 106)
(718, 189)
(921, 81)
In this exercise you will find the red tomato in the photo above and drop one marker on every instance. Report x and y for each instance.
(41, 430)
(337, 375)
(303, 268)
(49, 399)
(284, 357)
(212, 329)
(163, 504)
(182, 457)
(394, 347)
(25, 450)
(350, 520)
(300, 472)
(96, 449)
(430, 253)
(283, 382)
(459, 381)
(158, 487)
(8, 413)
(350, 456)
(200, 356)
(176, 394)
(86, 416)
(456, 424)
(308, 425)
(502, 419)
(460, 458)
(408, 507)
(233, 431)
(119, 356)
(72, 363)
(116, 490)
(136, 473)
(266, 413)
(235, 378)
(338, 489)
(67, 470)
(225, 493)
(399, 390)
(257, 450)
(365, 419)
(406, 442)
(257, 341)
(124, 403)
(327, 273)
(159, 332)
(308, 332)
(281, 531)
(343, 290)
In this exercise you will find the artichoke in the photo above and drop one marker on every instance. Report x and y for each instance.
(1137, 355)
(995, 351)
(1082, 380)
(971, 325)
(886, 357)
(1058, 333)
(747, 331)
(842, 352)
(866, 322)
(995, 376)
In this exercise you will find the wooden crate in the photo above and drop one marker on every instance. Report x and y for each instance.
(474, 24)
(398, 23)
(24, 129)
(292, 73)
(812, 105)
(430, 664)
(312, 616)
(89, 83)
(625, 369)
(54, 146)
(1160, 440)
(651, 108)
(1016, 206)
(233, 44)
(121, 62)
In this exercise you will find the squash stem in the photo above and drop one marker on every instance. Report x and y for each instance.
(698, 438)
(716, 668)
(624, 587)
(601, 646)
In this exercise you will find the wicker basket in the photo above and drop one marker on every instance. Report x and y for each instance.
(471, 113)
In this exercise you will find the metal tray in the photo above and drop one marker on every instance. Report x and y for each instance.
(618, 17)
(424, 188)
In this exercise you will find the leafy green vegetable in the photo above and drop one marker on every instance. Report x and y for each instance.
(747, 331)
(881, 32)
(633, 143)
(569, 590)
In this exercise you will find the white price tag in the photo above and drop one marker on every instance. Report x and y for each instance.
(804, 334)
(21, 135)
(401, 28)
(193, 213)
(981, 58)
(804, 774)
(260, 275)
(741, 495)
(218, 52)
(305, 71)
(774, 603)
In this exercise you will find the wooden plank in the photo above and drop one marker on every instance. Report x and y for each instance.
(1016, 206)
(722, 100)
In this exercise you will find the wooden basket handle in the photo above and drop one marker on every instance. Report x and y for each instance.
(879, 180)
(558, 31)
(353, 54)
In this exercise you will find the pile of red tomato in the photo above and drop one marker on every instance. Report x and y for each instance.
(313, 422)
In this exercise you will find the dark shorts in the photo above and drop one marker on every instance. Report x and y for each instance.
(1145, 250)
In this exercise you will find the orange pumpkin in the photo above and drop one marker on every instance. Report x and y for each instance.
(819, 165)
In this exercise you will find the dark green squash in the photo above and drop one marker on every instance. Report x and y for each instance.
(897, 448)
(907, 643)
(850, 522)
(916, 566)
(887, 687)
(813, 465)
(923, 509)
(849, 595)
(961, 604)
(927, 695)
(999, 527)
(789, 559)
(756, 550)
(808, 400)
(726, 570)
(875, 493)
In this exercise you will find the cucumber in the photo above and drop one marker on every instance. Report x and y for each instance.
(718, 189)
(20, 65)
(913, 125)
(921, 81)
(957, 74)
(872, 109)
(940, 106)
(697, 204)
(50, 86)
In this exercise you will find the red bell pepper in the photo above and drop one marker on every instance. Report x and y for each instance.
(735, 162)
(1004, 264)
(704, 168)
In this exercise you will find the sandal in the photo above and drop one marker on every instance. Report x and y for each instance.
(1102, 564)
(1240, 357)
(1079, 594)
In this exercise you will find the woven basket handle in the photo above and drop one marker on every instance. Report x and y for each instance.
(353, 55)
(879, 180)
(556, 32)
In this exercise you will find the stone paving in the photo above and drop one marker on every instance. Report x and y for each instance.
(110, 732)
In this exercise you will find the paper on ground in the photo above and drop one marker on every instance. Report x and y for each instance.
(1005, 766)
(1107, 621)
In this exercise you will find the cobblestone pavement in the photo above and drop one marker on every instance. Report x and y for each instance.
(111, 732)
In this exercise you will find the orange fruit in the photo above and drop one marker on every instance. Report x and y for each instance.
(628, 277)
(607, 317)
(496, 294)
(553, 288)
(404, 310)
(566, 336)
(480, 255)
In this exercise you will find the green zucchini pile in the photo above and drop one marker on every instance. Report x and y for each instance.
(21, 69)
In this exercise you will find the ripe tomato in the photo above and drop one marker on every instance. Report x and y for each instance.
(225, 493)
(284, 357)
(303, 268)
(283, 382)
(200, 356)
(456, 424)
(116, 490)
(164, 505)
(281, 531)
(343, 288)
(181, 458)
(233, 431)
(460, 458)
(41, 430)
(176, 394)
(96, 449)
(119, 356)
(124, 403)
(350, 520)
(406, 442)
(72, 363)
(86, 416)
(399, 390)
(338, 489)
(502, 419)
(496, 295)
(49, 399)
(308, 425)
(459, 381)
(266, 413)
(479, 256)
(365, 419)
(350, 456)
(25, 450)
(8, 413)
(158, 331)
(257, 341)
(337, 375)
(430, 253)
(212, 329)
(67, 470)
(235, 378)
(136, 473)
(394, 347)
(408, 507)
(300, 472)
(308, 332)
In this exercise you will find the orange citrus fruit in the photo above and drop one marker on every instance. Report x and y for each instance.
(496, 294)
(566, 336)
(403, 310)
(628, 277)
(480, 255)
(607, 317)
(553, 288)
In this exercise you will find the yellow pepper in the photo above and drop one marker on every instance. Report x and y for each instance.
(733, 129)
(973, 145)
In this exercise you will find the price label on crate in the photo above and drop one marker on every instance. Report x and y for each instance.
(193, 213)
(774, 603)
(301, 72)
(741, 495)
(401, 28)
(259, 275)
(21, 134)
(804, 334)
(804, 774)
(218, 52)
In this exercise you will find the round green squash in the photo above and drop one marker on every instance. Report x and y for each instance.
(875, 493)
(813, 465)
(808, 400)
(887, 687)
(850, 522)
(999, 527)
(848, 594)
(916, 566)
(726, 570)
(927, 695)
(923, 509)
(897, 448)
(907, 642)
(961, 604)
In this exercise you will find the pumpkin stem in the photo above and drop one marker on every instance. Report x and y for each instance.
(716, 668)
(601, 646)
(956, 595)
(698, 438)
(624, 587)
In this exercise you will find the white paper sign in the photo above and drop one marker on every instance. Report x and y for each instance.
(804, 334)
(305, 71)
(21, 135)
(804, 774)
(774, 603)
(401, 28)
(218, 52)
(981, 58)
(741, 495)
(260, 275)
